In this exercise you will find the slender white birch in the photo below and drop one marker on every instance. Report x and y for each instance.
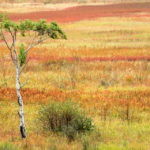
(36, 33)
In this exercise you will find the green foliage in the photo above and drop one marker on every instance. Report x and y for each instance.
(56, 31)
(3, 17)
(64, 117)
(22, 55)
(52, 30)
(8, 146)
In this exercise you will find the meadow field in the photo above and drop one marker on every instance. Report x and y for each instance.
(70, 1)
(104, 66)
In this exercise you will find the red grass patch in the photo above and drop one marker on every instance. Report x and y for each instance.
(87, 12)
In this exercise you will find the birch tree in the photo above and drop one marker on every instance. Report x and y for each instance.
(36, 33)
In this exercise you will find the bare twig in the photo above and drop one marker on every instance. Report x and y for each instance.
(22, 85)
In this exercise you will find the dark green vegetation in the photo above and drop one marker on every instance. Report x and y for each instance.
(65, 117)
(22, 55)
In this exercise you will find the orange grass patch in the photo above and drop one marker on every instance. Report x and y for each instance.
(138, 98)
(89, 54)
(34, 95)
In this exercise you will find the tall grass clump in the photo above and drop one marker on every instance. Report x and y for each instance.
(66, 118)
(8, 146)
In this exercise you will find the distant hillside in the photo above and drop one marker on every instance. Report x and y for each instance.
(70, 1)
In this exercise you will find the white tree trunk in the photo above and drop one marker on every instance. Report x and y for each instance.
(20, 102)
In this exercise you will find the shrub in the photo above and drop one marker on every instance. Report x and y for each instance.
(64, 117)
(8, 146)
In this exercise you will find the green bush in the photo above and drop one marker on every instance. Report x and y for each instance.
(8, 146)
(64, 117)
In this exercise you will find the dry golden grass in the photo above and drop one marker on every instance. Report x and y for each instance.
(33, 7)
(115, 94)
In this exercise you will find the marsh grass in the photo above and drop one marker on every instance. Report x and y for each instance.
(8, 146)
(114, 93)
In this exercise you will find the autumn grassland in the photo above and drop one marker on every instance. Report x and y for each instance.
(103, 65)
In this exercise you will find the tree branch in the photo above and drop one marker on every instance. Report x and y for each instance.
(4, 39)
(9, 48)
(22, 85)
(36, 43)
